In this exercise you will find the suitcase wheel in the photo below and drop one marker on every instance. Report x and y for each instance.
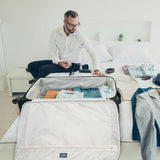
(16, 100)
(32, 81)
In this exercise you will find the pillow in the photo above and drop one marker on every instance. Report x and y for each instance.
(101, 51)
(130, 54)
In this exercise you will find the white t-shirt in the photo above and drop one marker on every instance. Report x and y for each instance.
(68, 48)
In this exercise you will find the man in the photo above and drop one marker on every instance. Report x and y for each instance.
(65, 46)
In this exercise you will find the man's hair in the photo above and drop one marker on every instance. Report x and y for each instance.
(71, 13)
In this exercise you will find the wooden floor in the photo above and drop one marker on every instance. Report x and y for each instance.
(8, 112)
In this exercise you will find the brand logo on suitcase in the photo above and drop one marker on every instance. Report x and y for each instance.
(63, 155)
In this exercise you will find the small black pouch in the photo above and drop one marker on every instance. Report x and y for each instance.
(110, 70)
(85, 66)
(85, 71)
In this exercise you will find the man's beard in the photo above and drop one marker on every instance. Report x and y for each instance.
(70, 31)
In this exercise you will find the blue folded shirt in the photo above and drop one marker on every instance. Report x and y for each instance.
(89, 93)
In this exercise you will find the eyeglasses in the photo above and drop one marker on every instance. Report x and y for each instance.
(72, 25)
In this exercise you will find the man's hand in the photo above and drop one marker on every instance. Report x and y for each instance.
(98, 73)
(64, 64)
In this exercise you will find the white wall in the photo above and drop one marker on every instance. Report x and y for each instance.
(27, 23)
(2, 63)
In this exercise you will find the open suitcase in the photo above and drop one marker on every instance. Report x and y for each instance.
(69, 129)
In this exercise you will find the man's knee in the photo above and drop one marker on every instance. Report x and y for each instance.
(46, 69)
(42, 72)
(31, 65)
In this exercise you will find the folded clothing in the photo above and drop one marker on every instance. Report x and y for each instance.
(53, 93)
(106, 91)
(149, 70)
(89, 93)
(135, 71)
(78, 93)
(141, 71)
(63, 94)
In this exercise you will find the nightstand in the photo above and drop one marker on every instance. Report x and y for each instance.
(18, 81)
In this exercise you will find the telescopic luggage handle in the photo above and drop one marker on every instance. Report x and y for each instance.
(20, 101)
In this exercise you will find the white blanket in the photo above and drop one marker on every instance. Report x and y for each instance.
(77, 130)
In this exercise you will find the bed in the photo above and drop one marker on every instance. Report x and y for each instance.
(116, 55)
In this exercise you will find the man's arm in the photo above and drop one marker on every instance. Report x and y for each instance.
(53, 50)
(92, 52)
